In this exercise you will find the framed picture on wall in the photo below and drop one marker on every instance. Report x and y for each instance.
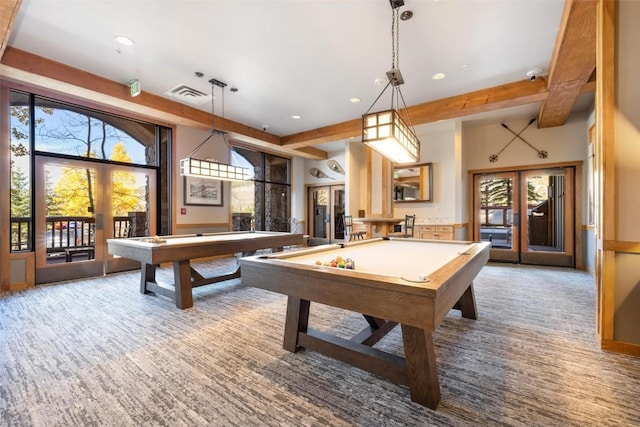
(202, 191)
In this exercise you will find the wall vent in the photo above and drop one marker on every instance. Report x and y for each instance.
(189, 95)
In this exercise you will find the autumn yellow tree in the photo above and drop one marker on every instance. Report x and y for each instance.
(126, 196)
(74, 197)
(71, 193)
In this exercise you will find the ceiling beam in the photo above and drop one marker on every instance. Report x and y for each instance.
(569, 74)
(491, 99)
(573, 61)
(8, 13)
(25, 67)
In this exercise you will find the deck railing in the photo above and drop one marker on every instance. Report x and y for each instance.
(64, 233)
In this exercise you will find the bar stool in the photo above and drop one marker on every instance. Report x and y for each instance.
(348, 228)
(409, 223)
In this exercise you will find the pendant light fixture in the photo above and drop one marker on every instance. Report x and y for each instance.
(385, 131)
(190, 166)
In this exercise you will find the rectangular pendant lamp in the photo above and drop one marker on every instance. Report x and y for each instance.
(386, 133)
(213, 170)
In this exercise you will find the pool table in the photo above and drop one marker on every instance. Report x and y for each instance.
(181, 249)
(410, 282)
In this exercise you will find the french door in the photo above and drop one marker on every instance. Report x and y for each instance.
(326, 208)
(528, 216)
(79, 205)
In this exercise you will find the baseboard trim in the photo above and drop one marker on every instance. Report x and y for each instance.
(620, 347)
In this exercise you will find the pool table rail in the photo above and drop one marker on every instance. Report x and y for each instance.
(181, 249)
(385, 301)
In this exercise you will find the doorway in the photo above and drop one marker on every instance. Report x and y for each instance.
(326, 208)
(81, 204)
(527, 215)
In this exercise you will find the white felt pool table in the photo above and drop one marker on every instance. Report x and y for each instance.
(411, 282)
(181, 249)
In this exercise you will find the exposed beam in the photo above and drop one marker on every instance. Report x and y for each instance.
(25, 67)
(8, 13)
(572, 63)
(568, 77)
(495, 98)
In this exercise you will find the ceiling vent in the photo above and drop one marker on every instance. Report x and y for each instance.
(189, 95)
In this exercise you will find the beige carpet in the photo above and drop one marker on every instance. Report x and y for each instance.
(96, 352)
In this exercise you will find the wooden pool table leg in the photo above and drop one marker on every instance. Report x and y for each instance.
(467, 304)
(182, 276)
(297, 320)
(148, 274)
(420, 358)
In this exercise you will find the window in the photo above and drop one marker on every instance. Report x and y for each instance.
(40, 126)
(74, 131)
(265, 202)
(20, 171)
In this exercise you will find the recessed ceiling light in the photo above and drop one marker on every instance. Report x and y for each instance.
(296, 117)
(124, 40)
(438, 76)
(354, 100)
(381, 81)
(465, 67)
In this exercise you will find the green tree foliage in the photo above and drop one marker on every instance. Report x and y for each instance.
(20, 194)
(20, 186)
(496, 192)
(499, 192)
(53, 204)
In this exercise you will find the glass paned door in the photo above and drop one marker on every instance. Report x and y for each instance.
(68, 237)
(496, 213)
(130, 203)
(79, 205)
(338, 197)
(326, 207)
(528, 216)
(549, 220)
(319, 213)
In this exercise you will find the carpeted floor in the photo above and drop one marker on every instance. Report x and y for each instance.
(98, 353)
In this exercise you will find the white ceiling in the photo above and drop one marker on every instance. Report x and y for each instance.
(305, 57)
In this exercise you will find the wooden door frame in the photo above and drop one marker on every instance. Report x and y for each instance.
(577, 165)
(544, 257)
(103, 262)
(499, 254)
(310, 224)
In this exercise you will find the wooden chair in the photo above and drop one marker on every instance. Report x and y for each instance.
(348, 229)
(409, 224)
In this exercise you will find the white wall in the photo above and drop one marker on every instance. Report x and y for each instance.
(437, 147)
(298, 192)
(566, 143)
(333, 178)
(186, 140)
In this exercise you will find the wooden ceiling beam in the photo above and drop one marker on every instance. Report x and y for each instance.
(25, 67)
(571, 67)
(8, 12)
(573, 61)
(492, 99)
